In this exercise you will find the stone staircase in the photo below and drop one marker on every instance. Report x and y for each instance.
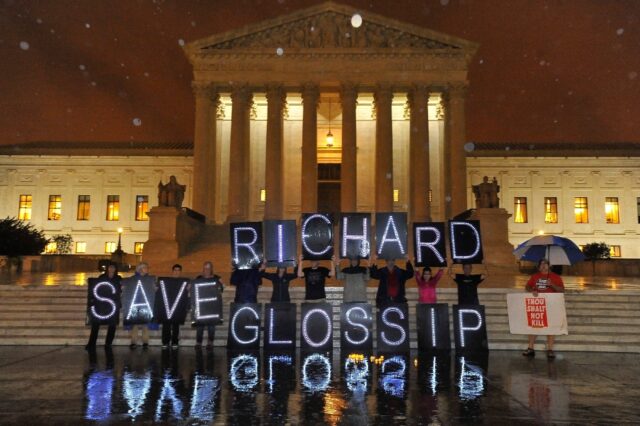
(599, 320)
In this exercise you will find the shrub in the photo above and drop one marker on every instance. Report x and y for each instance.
(593, 251)
(19, 238)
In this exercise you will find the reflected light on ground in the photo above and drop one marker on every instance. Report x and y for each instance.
(49, 280)
(80, 279)
(334, 405)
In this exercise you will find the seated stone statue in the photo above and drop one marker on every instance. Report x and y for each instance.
(487, 194)
(171, 194)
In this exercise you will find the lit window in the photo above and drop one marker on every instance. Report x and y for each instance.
(520, 209)
(550, 210)
(581, 209)
(110, 247)
(396, 195)
(81, 247)
(142, 207)
(113, 207)
(138, 247)
(263, 195)
(612, 210)
(55, 207)
(24, 207)
(51, 247)
(615, 251)
(84, 207)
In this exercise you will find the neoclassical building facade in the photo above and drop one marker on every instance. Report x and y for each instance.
(324, 110)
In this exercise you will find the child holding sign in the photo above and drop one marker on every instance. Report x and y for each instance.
(543, 281)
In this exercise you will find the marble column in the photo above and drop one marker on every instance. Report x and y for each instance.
(309, 193)
(239, 153)
(349, 170)
(456, 136)
(384, 150)
(204, 151)
(274, 208)
(419, 172)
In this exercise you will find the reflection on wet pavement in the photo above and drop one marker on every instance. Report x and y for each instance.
(200, 387)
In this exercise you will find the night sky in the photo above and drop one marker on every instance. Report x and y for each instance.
(546, 71)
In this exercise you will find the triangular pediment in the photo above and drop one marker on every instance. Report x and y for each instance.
(328, 26)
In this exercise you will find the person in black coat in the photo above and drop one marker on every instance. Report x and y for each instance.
(392, 280)
(111, 275)
(247, 282)
(280, 280)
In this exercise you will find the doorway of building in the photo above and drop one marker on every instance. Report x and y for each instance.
(328, 188)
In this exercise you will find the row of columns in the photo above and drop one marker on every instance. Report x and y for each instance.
(207, 100)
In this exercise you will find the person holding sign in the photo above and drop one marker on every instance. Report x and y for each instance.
(247, 282)
(392, 282)
(427, 284)
(171, 329)
(354, 278)
(280, 280)
(142, 270)
(207, 274)
(468, 285)
(111, 275)
(314, 280)
(543, 281)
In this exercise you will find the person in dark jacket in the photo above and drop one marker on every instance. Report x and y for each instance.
(280, 280)
(207, 273)
(392, 280)
(468, 285)
(171, 329)
(111, 275)
(247, 282)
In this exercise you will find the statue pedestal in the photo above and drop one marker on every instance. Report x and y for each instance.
(171, 232)
(498, 252)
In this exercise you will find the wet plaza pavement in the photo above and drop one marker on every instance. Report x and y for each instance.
(66, 385)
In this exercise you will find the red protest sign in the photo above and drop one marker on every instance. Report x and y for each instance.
(536, 312)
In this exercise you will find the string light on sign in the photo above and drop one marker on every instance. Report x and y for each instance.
(462, 328)
(135, 305)
(271, 327)
(433, 328)
(357, 237)
(170, 310)
(430, 244)
(365, 330)
(255, 328)
(305, 235)
(248, 246)
(199, 301)
(455, 254)
(114, 308)
(305, 333)
(403, 334)
(391, 224)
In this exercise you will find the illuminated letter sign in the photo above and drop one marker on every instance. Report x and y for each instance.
(393, 328)
(465, 241)
(469, 328)
(172, 300)
(244, 326)
(429, 244)
(355, 235)
(206, 301)
(316, 330)
(433, 327)
(102, 302)
(280, 326)
(356, 325)
(138, 299)
(280, 242)
(391, 235)
(317, 236)
(246, 244)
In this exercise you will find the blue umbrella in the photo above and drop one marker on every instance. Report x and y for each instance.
(558, 250)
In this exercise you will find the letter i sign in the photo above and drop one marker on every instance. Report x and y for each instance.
(536, 312)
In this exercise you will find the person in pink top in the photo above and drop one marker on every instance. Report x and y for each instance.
(427, 285)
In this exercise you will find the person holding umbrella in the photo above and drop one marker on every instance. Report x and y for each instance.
(543, 281)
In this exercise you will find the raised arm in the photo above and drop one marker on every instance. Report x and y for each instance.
(300, 272)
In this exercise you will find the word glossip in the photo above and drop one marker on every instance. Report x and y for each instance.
(392, 333)
(276, 240)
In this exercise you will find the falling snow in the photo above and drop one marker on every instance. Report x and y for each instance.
(620, 31)
(87, 25)
(469, 146)
(82, 67)
(356, 21)
(24, 45)
(137, 122)
(632, 75)
(181, 42)
(279, 51)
